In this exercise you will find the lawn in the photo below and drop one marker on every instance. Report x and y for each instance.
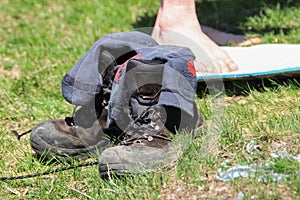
(42, 40)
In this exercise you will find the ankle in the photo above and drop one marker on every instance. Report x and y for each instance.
(183, 20)
(183, 5)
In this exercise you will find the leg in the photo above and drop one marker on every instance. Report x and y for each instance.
(177, 24)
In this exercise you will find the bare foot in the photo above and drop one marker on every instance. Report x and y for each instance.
(223, 38)
(178, 25)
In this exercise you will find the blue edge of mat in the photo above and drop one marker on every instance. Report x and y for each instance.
(285, 71)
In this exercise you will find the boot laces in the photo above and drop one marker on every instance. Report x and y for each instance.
(70, 120)
(147, 126)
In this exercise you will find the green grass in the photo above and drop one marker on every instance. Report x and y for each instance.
(42, 40)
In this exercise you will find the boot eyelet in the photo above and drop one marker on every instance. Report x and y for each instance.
(150, 138)
(156, 127)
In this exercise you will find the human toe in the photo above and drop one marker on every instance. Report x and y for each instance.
(249, 42)
(232, 66)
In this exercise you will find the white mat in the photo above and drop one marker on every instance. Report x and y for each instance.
(264, 60)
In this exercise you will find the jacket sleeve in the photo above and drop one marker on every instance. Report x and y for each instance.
(84, 81)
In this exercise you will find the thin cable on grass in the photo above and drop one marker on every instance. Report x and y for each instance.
(18, 135)
(48, 172)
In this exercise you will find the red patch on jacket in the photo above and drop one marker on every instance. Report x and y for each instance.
(191, 68)
(121, 68)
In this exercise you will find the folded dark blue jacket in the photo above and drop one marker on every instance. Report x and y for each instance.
(84, 81)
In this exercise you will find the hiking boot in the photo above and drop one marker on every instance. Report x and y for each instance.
(148, 143)
(62, 140)
(149, 140)
(81, 136)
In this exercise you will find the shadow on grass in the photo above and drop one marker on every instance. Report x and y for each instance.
(225, 15)
(244, 86)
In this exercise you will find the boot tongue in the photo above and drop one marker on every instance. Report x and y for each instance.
(144, 75)
(143, 81)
